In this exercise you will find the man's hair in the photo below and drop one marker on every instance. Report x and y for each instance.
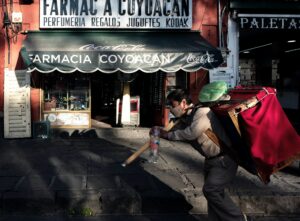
(179, 95)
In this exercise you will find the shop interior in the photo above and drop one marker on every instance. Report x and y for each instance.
(271, 58)
(98, 94)
(146, 92)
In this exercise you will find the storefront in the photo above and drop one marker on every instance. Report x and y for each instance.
(77, 63)
(268, 49)
(68, 63)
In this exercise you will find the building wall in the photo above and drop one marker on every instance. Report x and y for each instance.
(2, 60)
(2, 64)
(14, 61)
(205, 20)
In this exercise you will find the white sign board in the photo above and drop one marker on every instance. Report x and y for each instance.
(223, 74)
(17, 113)
(114, 14)
(68, 119)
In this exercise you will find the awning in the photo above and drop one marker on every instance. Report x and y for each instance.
(111, 51)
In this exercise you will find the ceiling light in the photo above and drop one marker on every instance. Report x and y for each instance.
(260, 46)
(292, 50)
(246, 52)
(291, 41)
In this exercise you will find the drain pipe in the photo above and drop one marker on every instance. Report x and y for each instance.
(219, 24)
(6, 23)
(222, 17)
(8, 44)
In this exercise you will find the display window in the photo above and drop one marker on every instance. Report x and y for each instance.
(66, 93)
(66, 100)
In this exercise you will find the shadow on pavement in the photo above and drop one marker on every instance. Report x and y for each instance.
(80, 174)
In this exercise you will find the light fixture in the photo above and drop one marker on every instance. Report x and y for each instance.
(246, 52)
(256, 47)
(292, 50)
(291, 41)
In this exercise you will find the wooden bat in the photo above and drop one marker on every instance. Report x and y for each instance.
(143, 148)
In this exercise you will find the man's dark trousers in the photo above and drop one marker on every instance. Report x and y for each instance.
(218, 173)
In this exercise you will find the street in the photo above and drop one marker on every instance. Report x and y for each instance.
(152, 217)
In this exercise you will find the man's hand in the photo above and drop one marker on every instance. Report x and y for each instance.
(159, 132)
(163, 134)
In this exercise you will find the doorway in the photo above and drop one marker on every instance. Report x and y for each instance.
(107, 88)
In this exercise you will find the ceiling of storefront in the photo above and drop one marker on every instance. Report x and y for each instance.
(280, 6)
(266, 47)
(276, 42)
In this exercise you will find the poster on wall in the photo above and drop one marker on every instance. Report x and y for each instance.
(114, 14)
(223, 74)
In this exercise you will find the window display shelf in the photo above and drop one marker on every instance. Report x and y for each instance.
(68, 119)
(66, 100)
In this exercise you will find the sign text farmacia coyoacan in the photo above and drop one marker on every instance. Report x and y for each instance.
(97, 14)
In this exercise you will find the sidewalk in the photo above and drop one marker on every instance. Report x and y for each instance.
(80, 172)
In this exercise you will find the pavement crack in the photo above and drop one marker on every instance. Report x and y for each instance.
(163, 159)
(185, 179)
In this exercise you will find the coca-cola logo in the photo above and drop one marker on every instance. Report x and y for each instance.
(201, 59)
(121, 47)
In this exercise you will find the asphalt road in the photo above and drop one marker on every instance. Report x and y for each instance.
(158, 217)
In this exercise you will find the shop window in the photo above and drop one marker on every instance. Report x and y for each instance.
(66, 93)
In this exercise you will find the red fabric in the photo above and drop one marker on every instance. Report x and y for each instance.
(268, 139)
(241, 93)
(271, 137)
